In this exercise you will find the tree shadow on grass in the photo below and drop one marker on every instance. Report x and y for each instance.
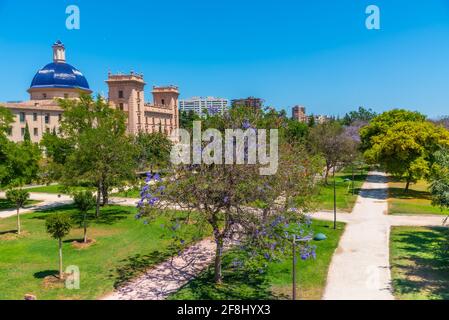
(400, 193)
(45, 274)
(427, 265)
(2, 233)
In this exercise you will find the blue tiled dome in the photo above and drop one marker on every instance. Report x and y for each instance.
(59, 75)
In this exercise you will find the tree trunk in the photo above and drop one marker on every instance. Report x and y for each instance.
(97, 210)
(326, 176)
(61, 274)
(85, 227)
(105, 194)
(409, 181)
(218, 262)
(18, 222)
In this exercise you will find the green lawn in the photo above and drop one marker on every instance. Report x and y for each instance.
(124, 248)
(53, 189)
(276, 283)
(416, 201)
(345, 199)
(132, 193)
(420, 264)
(6, 205)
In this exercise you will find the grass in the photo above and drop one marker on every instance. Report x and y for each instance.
(276, 283)
(416, 201)
(124, 248)
(131, 193)
(345, 199)
(6, 204)
(53, 189)
(420, 265)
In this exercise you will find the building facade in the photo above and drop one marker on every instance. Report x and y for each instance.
(60, 80)
(204, 106)
(250, 102)
(299, 114)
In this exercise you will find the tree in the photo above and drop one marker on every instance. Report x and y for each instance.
(406, 149)
(439, 178)
(383, 122)
(295, 131)
(58, 227)
(361, 115)
(153, 150)
(19, 197)
(103, 155)
(234, 198)
(330, 141)
(27, 135)
(187, 118)
(6, 119)
(311, 123)
(84, 201)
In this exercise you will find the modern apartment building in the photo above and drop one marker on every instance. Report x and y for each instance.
(203, 106)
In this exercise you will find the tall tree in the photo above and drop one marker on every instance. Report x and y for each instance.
(439, 178)
(361, 115)
(406, 149)
(104, 155)
(27, 135)
(330, 141)
(152, 150)
(84, 201)
(235, 199)
(6, 119)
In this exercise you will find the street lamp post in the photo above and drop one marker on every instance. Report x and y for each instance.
(335, 200)
(294, 268)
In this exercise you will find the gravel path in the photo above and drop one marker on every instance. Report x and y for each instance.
(360, 268)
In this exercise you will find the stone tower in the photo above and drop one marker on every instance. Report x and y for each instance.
(126, 92)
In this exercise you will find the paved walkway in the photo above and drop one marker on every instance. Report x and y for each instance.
(360, 268)
(166, 278)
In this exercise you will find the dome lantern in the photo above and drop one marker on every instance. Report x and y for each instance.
(58, 52)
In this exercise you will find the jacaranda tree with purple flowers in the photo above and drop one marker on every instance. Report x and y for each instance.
(261, 214)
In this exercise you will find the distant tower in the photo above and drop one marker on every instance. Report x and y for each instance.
(58, 52)
(299, 114)
(126, 92)
(167, 98)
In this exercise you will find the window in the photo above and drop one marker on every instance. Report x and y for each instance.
(163, 102)
(121, 106)
(9, 131)
(60, 117)
(47, 118)
(34, 116)
(44, 95)
(120, 94)
(66, 95)
(22, 117)
(36, 132)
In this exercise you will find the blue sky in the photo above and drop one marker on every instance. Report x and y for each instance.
(314, 53)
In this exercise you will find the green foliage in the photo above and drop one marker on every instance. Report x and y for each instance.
(58, 226)
(27, 135)
(361, 115)
(17, 196)
(84, 201)
(295, 131)
(6, 119)
(153, 150)
(406, 148)
(439, 178)
(19, 162)
(57, 148)
(186, 119)
(330, 141)
(104, 155)
(384, 122)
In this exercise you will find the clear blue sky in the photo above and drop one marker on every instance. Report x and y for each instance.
(315, 53)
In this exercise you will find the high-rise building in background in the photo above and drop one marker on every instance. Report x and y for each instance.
(203, 106)
(250, 102)
(299, 114)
